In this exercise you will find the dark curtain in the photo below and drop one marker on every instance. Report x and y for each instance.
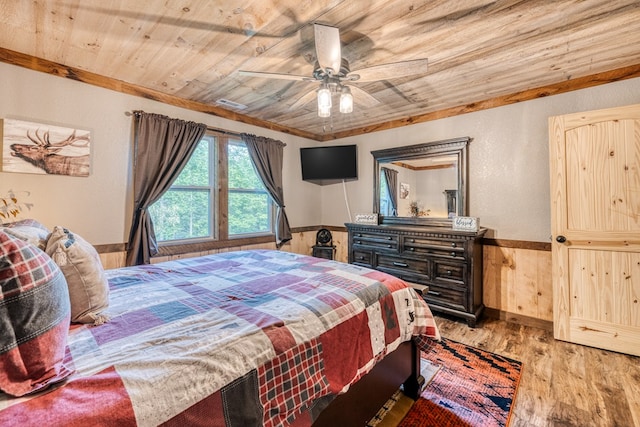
(163, 147)
(267, 156)
(391, 176)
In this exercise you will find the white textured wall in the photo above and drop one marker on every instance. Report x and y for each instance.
(98, 207)
(509, 173)
(508, 159)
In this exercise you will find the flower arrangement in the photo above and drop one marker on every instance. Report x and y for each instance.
(10, 207)
(415, 210)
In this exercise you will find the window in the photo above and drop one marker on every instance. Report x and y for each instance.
(250, 206)
(193, 210)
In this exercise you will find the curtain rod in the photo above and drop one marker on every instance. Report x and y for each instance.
(209, 128)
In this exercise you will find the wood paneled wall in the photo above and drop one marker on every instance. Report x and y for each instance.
(517, 284)
(516, 275)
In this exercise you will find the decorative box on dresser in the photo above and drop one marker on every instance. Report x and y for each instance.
(444, 264)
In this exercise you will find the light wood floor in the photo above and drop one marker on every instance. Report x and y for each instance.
(562, 384)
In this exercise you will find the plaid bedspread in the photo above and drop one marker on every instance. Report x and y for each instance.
(234, 339)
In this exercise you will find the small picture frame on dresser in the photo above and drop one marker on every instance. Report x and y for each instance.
(465, 223)
(368, 218)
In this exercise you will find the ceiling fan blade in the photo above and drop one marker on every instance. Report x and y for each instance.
(391, 71)
(361, 97)
(281, 76)
(303, 100)
(328, 48)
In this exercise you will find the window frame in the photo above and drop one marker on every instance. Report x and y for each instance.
(219, 204)
(272, 205)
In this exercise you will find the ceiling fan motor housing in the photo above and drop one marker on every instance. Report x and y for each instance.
(321, 74)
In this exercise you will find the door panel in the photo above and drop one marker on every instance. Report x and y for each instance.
(595, 192)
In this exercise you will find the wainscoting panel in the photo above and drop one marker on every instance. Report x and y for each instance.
(518, 281)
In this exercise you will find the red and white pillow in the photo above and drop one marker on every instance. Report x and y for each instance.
(30, 231)
(34, 318)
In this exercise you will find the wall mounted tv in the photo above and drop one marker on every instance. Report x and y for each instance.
(329, 165)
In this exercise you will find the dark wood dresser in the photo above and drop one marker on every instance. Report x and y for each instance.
(444, 264)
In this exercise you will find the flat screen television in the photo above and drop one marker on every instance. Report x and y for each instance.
(327, 165)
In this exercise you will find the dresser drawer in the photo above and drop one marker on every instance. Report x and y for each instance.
(362, 258)
(408, 276)
(403, 264)
(434, 247)
(446, 297)
(449, 272)
(375, 240)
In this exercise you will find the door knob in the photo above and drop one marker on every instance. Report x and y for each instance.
(561, 239)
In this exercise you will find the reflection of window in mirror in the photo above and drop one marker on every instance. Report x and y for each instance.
(387, 205)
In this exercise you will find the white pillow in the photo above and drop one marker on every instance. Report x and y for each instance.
(81, 266)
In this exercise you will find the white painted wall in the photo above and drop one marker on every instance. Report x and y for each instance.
(98, 207)
(508, 159)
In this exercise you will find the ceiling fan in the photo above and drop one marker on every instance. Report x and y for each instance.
(334, 75)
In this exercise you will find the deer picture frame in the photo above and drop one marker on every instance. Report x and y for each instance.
(29, 147)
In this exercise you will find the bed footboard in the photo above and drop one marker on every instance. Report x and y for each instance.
(367, 396)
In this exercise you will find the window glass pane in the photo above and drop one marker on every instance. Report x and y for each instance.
(184, 211)
(196, 172)
(249, 212)
(181, 214)
(241, 172)
(250, 207)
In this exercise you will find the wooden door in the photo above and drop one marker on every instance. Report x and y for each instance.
(595, 210)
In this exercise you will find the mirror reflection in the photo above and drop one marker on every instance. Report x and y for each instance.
(425, 187)
(421, 181)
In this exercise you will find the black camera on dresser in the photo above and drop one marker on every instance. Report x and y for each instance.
(444, 264)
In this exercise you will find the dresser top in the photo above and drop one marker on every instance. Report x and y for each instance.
(417, 229)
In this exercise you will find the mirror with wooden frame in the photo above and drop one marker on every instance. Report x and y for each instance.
(421, 183)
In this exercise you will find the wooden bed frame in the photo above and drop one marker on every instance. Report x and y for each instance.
(369, 394)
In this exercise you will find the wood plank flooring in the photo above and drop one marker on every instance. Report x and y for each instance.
(562, 384)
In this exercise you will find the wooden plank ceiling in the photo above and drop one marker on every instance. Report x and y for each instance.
(481, 53)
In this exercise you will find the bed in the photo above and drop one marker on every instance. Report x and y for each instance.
(240, 338)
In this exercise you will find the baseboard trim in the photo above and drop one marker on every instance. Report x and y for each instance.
(494, 313)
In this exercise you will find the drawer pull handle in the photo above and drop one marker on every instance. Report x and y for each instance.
(453, 244)
(413, 240)
(412, 249)
(361, 258)
(400, 264)
(389, 246)
(389, 238)
(453, 254)
(434, 293)
(449, 272)
(359, 242)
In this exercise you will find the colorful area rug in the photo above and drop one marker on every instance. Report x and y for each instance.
(471, 388)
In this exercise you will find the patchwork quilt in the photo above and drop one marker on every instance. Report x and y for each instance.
(245, 338)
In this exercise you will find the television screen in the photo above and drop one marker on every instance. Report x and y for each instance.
(325, 164)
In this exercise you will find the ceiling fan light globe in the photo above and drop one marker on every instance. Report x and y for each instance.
(324, 101)
(324, 97)
(324, 112)
(346, 101)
